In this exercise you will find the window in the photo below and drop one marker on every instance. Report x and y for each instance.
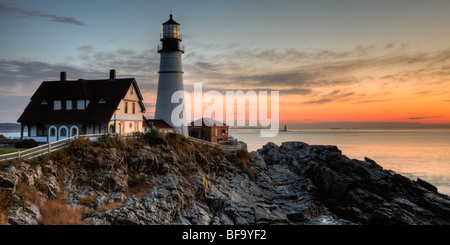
(102, 101)
(130, 125)
(57, 105)
(216, 131)
(53, 132)
(44, 102)
(69, 105)
(126, 107)
(41, 130)
(74, 132)
(63, 132)
(134, 108)
(80, 104)
(136, 126)
(131, 89)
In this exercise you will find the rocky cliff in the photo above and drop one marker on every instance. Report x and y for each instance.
(175, 181)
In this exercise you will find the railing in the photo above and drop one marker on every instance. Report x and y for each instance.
(45, 149)
(180, 48)
(223, 147)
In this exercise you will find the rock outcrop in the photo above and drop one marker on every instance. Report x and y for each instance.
(361, 191)
(294, 183)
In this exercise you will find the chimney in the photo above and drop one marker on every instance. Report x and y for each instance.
(63, 76)
(112, 74)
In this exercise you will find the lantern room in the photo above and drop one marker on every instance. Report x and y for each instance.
(171, 29)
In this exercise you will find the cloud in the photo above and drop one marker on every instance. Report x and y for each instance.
(86, 48)
(420, 118)
(22, 77)
(33, 13)
(371, 70)
(149, 105)
(331, 97)
(126, 60)
(371, 101)
(205, 65)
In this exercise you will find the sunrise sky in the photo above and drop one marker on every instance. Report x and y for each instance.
(383, 62)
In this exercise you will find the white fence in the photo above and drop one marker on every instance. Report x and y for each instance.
(45, 149)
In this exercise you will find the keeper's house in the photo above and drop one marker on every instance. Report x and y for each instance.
(209, 129)
(61, 109)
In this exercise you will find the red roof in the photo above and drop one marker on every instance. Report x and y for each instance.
(158, 123)
(207, 122)
(111, 91)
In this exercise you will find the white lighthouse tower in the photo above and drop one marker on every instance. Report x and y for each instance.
(170, 74)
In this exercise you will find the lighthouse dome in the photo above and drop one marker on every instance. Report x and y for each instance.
(171, 21)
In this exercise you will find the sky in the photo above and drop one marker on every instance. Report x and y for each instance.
(384, 62)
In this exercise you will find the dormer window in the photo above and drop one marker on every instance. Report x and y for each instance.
(57, 105)
(102, 101)
(44, 102)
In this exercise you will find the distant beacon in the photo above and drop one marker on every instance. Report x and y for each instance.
(170, 73)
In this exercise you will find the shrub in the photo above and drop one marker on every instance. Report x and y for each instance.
(106, 141)
(28, 143)
(86, 201)
(153, 138)
(80, 145)
(2, 137)
(41, 186)
(82, 180)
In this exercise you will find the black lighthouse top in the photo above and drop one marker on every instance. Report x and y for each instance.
(171, 37)
(171, 21)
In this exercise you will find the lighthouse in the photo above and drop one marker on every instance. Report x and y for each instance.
(170, 75)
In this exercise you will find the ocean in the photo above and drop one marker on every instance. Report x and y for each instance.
(415, 154)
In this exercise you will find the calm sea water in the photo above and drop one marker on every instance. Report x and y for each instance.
(415, 154)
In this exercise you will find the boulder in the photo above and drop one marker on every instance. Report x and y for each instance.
(24, 216)
(9, 179)
(112, 181)
(52, 186)
(427, 185)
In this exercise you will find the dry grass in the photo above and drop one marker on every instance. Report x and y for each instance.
(139, 187)
(242, 159)
(109, 206)
(54, 212)
(105, 207)
(5, 203)
(86, 201)
(3, 218)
